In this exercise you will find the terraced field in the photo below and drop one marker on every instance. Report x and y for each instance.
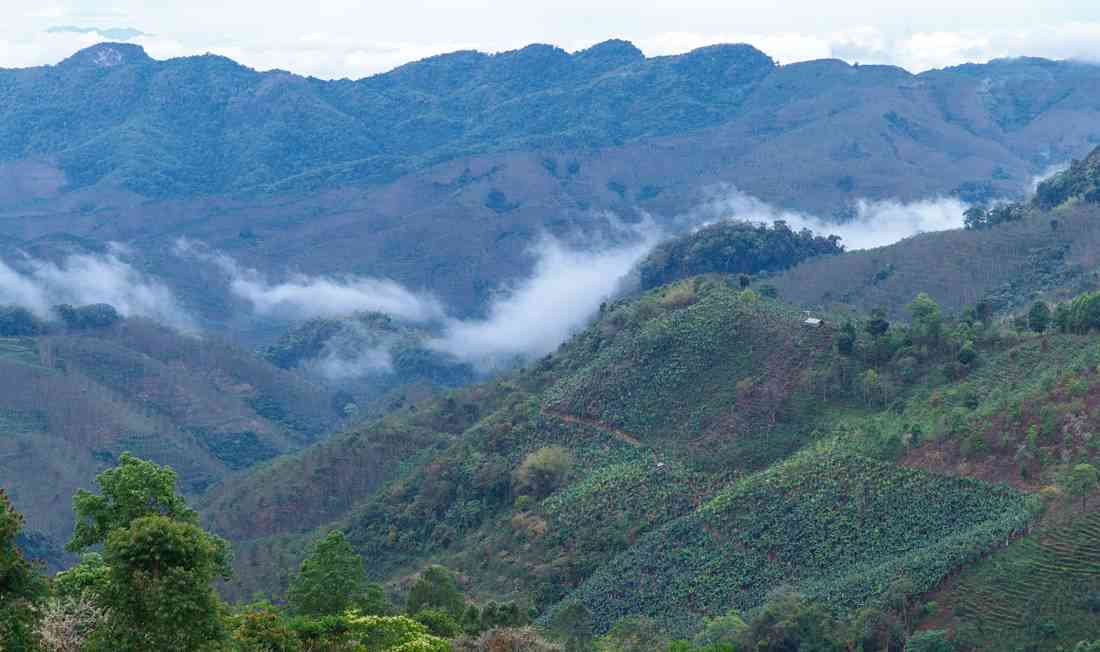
(1024, 589)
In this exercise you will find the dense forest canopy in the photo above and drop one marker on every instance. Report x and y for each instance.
(734, 247)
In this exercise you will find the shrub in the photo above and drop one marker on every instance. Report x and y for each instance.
(439, 622)
(507, 639)
(542, 471)
(436, 589)
(680, 295)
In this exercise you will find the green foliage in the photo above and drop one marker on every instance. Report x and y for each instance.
(573, 624)
(877, 325)
(17, 321)
(1035, 593)
(1082, 481)
(133, 489)
(733, 247)
(633, 635)
(393, 634)
(96, 315)
(330, 580)
(159, 593)
(980, 217)
(1082, 315)
(439, 622)
(1038, 317)
(1080, 181)
(22, 588)
(726, 629)
(436, 589)
(83, 579)
(930, 640)
(262, 628)
(542, 471)
(879, 630)
(927, 321)
(791, 623)
(827, 522)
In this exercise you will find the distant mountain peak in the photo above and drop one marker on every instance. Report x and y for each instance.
(108, 55)
(613, 50)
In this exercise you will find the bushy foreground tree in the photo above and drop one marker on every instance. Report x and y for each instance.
(154, 579)
(330, 580)
(22, 588)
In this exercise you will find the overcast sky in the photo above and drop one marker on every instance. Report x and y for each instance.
(347, 38)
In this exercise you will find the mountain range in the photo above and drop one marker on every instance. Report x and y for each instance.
(417, 174)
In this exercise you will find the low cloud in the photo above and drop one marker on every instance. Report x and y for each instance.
(38, 285)
(304, 297)
(875, 224)
(535, 316)
(1047, 173)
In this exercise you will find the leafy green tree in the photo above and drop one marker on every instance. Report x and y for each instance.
(16, 321)
(330, 580)
(877, 325)
(96, 315)
(875, 630)
(21, 587)
(573, 624)
(159, 593)
(967, 354)
(1062, 318)
(791, 624)
(723, 630)
(436, 588)
(262, 628)
(439, 622)
(1038, 317)
(1082, 481)
(846, 339)
(133, 489)
(471, 620)
(927, 320)
(975, 218)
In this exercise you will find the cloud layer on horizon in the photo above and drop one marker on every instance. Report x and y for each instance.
(331, 55)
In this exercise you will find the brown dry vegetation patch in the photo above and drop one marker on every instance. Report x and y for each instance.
(944, 458)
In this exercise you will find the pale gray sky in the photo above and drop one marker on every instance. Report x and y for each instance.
(347, 38)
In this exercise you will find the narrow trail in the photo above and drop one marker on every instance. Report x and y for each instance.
(621, 435)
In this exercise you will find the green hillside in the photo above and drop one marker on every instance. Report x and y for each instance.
(826, 524)
(72, 401)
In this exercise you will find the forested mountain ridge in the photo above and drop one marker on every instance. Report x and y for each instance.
(468, 153)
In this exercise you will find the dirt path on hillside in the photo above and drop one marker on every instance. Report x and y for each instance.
(621, 435)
